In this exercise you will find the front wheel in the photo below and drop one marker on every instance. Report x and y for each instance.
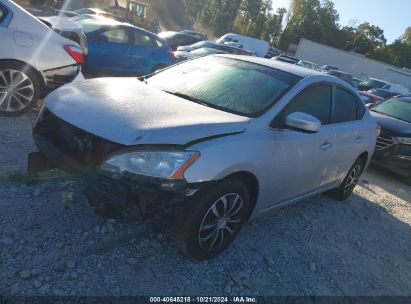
(19, 88)
(212, 219)
(350, 181)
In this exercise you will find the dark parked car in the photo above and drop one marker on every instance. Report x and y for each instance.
(116, 48)
(342, 75)
(286, 58)
(195, 34)
(393, 148)
(176, 39)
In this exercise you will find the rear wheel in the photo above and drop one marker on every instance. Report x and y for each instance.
(19, 88)
(351, 180)
(212, 220)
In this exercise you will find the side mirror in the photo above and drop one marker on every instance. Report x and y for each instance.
(100, 38)
(303, 122)
(369, 105)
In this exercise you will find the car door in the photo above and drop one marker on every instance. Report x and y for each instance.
(109, 51)
(142, 52)
(350, 134)
(300, 159)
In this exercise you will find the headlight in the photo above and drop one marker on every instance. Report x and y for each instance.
(404, 140)
(170, 165)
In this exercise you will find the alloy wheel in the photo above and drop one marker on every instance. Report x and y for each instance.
(352, 179)
(16, 90)
(221, 222)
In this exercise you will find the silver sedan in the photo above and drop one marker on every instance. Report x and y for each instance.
(212, 142)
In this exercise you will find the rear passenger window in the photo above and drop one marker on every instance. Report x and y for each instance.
(142, 39)
(160, 44)
(345, 107)
(314, 100)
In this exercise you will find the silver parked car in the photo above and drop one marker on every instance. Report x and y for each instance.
(35, 56)
(214, 141)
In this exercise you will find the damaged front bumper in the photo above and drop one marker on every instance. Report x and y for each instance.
(151, 195)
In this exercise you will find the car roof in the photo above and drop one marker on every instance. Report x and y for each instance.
(283, 66)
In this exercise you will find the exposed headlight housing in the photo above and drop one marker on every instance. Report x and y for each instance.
(404, 140)
(161, 164)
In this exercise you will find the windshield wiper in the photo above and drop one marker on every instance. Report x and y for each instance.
(190, 98)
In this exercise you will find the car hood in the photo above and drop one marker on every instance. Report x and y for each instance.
(130, 112)
(392, 125)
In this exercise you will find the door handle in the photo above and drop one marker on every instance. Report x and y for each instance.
(358, 140)
(326, 146)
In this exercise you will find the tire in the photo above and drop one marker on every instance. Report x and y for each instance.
(346, 188)
(199, 220)
(20, 98)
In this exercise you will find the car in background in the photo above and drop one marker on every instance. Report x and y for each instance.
(286, 58)
(396, 88)
(116, 48)
(393, 148)
(234, 44)
(202, 44)
(368, 98)
(372, 83)
(257, 46)
(342, 75)
(307, 64)
(202, 142)
(182, 55)
(101, 13)
(217, 46)
(34, 57)
(328, 68)
(382, 93)
(195, 34)
(176, 39)
(272, 52)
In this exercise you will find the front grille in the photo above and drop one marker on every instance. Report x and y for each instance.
(384, 142)
(81, 146)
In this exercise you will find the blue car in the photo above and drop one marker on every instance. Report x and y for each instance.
(121, 49)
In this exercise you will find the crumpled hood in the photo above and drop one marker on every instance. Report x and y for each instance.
(130, 112)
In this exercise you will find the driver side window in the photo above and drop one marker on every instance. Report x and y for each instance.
(315, 100)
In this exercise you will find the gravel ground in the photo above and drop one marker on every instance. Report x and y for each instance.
(51, 243)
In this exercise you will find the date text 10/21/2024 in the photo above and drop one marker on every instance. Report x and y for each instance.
(239, 299)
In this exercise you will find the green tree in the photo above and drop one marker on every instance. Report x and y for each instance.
(309, 19)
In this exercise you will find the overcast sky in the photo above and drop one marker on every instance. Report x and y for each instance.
(393, 16)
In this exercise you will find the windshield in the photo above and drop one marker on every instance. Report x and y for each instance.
(225, 83)
(396, 108)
